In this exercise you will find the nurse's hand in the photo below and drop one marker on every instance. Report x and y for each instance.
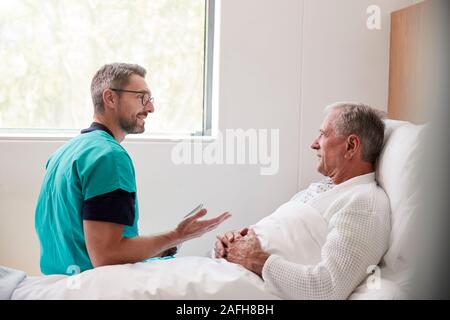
(192, 227)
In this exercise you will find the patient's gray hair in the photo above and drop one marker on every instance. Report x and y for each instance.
(115, 75)
(363, 121)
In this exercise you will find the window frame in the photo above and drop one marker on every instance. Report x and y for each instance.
(210, 98)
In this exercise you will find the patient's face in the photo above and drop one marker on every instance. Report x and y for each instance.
(330, 148)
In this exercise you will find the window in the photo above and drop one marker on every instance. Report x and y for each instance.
(51, 49)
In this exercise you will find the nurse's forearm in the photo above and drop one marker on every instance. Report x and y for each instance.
(137, 249)
(107, 246)
(144, 247)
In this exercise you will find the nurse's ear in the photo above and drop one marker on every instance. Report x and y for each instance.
(109, 98)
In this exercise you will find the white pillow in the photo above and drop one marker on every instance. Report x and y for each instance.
(397, 174)
(384, 290)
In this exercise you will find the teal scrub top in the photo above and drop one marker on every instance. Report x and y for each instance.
(87, 166)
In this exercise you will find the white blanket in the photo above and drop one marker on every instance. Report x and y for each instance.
(294, 231)
(9, 280)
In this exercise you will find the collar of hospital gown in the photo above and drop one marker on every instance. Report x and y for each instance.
(328, 192)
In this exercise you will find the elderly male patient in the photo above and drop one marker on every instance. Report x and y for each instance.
(356, 210)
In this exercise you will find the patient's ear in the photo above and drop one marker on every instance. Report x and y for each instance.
(353, 145)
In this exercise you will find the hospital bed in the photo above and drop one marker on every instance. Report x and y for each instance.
(206, 278)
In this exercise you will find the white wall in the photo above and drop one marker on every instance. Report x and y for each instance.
(274, 75)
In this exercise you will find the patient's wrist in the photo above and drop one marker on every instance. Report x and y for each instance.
(258, 261)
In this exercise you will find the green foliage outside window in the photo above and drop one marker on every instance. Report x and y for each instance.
(50, 50)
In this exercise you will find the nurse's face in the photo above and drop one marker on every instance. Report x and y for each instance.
(131, 111)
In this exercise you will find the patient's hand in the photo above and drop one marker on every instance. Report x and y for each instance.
(246, 251)
(222, 240)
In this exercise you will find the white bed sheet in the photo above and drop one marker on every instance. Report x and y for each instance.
(180, 278)
(192, 277)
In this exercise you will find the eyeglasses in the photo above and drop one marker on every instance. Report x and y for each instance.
(145, 99)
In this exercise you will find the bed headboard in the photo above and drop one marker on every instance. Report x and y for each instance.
(406, 67)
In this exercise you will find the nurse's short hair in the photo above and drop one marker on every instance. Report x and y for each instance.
(114, 75)
(363, 121)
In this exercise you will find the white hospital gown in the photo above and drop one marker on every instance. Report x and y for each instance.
(314, 190)
(359, 228)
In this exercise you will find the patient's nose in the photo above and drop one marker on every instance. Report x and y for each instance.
(315, 145)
